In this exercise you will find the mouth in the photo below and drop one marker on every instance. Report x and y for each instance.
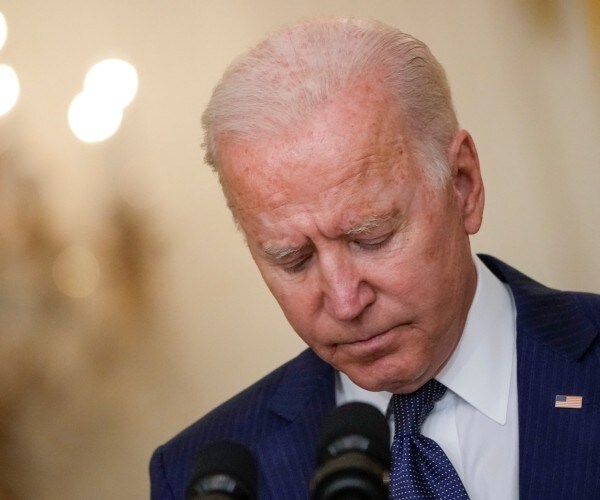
(371, 346)
(369, 338)
(372, 343)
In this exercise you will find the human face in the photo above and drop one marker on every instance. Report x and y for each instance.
(368, 260)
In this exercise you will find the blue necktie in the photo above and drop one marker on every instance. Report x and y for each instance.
(420, 468)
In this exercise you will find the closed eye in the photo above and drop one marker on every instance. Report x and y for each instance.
(297, 266)
(373, 244)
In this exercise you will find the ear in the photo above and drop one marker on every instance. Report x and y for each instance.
(466, 180)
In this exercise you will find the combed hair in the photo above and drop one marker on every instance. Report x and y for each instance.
(275, 86)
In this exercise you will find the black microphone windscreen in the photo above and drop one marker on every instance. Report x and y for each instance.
(226, 467)
(355, 427)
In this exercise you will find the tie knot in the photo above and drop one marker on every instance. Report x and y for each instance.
(411, 410)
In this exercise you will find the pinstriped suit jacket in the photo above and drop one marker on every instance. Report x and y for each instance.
(558, 352)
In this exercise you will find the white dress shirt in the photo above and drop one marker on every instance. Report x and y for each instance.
(476, 421)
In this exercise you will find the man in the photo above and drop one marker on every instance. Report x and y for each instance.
(340, 156)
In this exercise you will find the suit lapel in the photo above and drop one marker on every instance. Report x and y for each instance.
(304, 398)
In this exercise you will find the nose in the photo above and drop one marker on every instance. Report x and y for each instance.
(346, 291)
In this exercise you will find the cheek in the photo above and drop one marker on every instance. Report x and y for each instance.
(405, 279)
(417, 287)
(302, 306)
(299, 304)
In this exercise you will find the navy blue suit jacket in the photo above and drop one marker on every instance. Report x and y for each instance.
(558, 352)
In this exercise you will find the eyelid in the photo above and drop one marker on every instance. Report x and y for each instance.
(374, 242)
(297, 265)
(289, 259)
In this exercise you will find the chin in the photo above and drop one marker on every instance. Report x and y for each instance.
(366, 379)
(369, 384)
(390, 380)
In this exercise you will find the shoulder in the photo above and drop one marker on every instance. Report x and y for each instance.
(253, 404)
(564, 321)
(247, 418)
(525, 288)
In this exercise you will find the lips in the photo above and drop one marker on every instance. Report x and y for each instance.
(369, 338)
(379, 333)
(371, 345)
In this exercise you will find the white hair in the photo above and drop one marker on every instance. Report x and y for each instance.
(276, 85)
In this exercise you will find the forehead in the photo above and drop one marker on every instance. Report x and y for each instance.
(355, 140)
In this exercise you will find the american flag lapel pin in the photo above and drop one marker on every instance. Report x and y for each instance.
(561, 401)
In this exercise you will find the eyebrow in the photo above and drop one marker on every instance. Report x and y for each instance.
(370, 223)
(278, 254)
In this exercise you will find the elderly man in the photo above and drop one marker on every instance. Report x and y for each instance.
(341, 159)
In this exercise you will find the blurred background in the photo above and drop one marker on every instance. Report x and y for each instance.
(128, 304)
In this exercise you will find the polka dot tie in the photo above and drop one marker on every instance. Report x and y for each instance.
(420, 468)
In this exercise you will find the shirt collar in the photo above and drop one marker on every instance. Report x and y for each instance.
(486, 348)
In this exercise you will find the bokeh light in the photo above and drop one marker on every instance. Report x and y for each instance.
(3, 30)
(76, 272)
(93, 118)
(9, 88)
(113, 79)
(96, 113)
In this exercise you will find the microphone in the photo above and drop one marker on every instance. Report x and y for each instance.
(353, 457)
(224, 471)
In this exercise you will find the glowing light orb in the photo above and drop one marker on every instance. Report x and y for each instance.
(93, 118)
(9, 88)
(114, 79)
